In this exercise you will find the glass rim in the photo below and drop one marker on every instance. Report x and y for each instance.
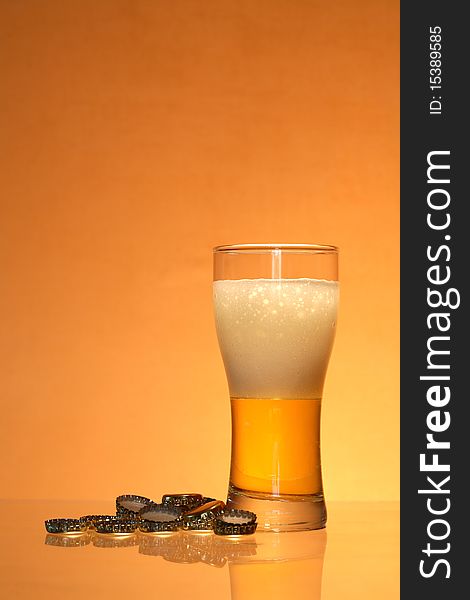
(265, 248)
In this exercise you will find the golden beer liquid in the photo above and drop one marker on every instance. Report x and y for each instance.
(276, 445)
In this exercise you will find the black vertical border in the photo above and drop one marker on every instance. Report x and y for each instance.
(422, 133)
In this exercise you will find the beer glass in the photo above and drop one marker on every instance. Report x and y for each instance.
(275, 312)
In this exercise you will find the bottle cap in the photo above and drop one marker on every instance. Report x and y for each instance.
(203, 517)
(90, 520)
(115, 524)
(64, 526)
(156, 518)
(130, 504)
(185, 501)
(235, 522)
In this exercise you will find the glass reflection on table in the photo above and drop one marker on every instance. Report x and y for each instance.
(285, 565)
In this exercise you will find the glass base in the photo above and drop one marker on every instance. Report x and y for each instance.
(281, 513)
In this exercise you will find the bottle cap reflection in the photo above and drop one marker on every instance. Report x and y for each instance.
(113, 540)
(67, 540)
(91, 537)
(188, 547)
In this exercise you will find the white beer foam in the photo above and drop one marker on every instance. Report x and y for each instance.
(276, 335)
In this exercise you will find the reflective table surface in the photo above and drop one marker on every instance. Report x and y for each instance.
(356, 556)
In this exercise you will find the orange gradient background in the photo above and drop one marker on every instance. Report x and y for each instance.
(134, 137)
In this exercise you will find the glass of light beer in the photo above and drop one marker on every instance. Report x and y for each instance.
(275, 312)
